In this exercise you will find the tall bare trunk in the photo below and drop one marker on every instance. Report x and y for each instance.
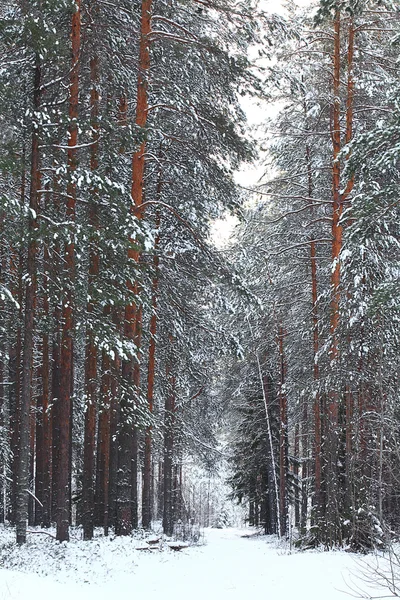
(283, 435)
(91, 347)
(317, 450)
(16, 273)
(146, 503)
(66, 362)
(103, 445)
(169, 430)
(127, 446)
(29, 324)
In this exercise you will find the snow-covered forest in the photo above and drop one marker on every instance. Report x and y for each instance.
(155, 379)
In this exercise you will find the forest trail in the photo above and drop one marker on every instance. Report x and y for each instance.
(228, 567)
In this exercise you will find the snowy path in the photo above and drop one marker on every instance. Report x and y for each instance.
(229, 567)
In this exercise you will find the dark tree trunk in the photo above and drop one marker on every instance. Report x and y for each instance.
(146, 500)
(169, 427)
(43, 436)
(91, 348)
(283, 437)
(103, 446)
(66, 362)
(24, 428)
(114, 420)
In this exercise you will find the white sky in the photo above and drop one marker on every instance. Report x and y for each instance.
(257, 112)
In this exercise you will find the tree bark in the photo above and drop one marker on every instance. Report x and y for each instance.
(332, 488)
(103, 446)
(127, 485)
(169, 426)
(334, 533)
(91, 347)
(66, 363)
(146, 503)
(29, 324)
(283, 437)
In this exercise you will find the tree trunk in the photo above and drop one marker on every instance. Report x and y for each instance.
(16, 267)
(91, 348)
(127, 447)
(334, 534)
(103, 445)
(169, 427)
(43, 421)
(332, 488)
(27, 359)
(146, 504)
(66, 362)
(114, 420)
(283, 438)
(296, 475)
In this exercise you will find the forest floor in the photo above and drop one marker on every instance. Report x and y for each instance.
(227, 567)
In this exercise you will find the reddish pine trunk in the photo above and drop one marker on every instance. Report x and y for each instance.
(91, 348)
(127, 459)
(137, 191)
(333, 533)
(349, 187)
(27, 359)
(334, 529)
(66, 363)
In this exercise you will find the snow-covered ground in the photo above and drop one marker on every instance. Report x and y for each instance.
(228, 567)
